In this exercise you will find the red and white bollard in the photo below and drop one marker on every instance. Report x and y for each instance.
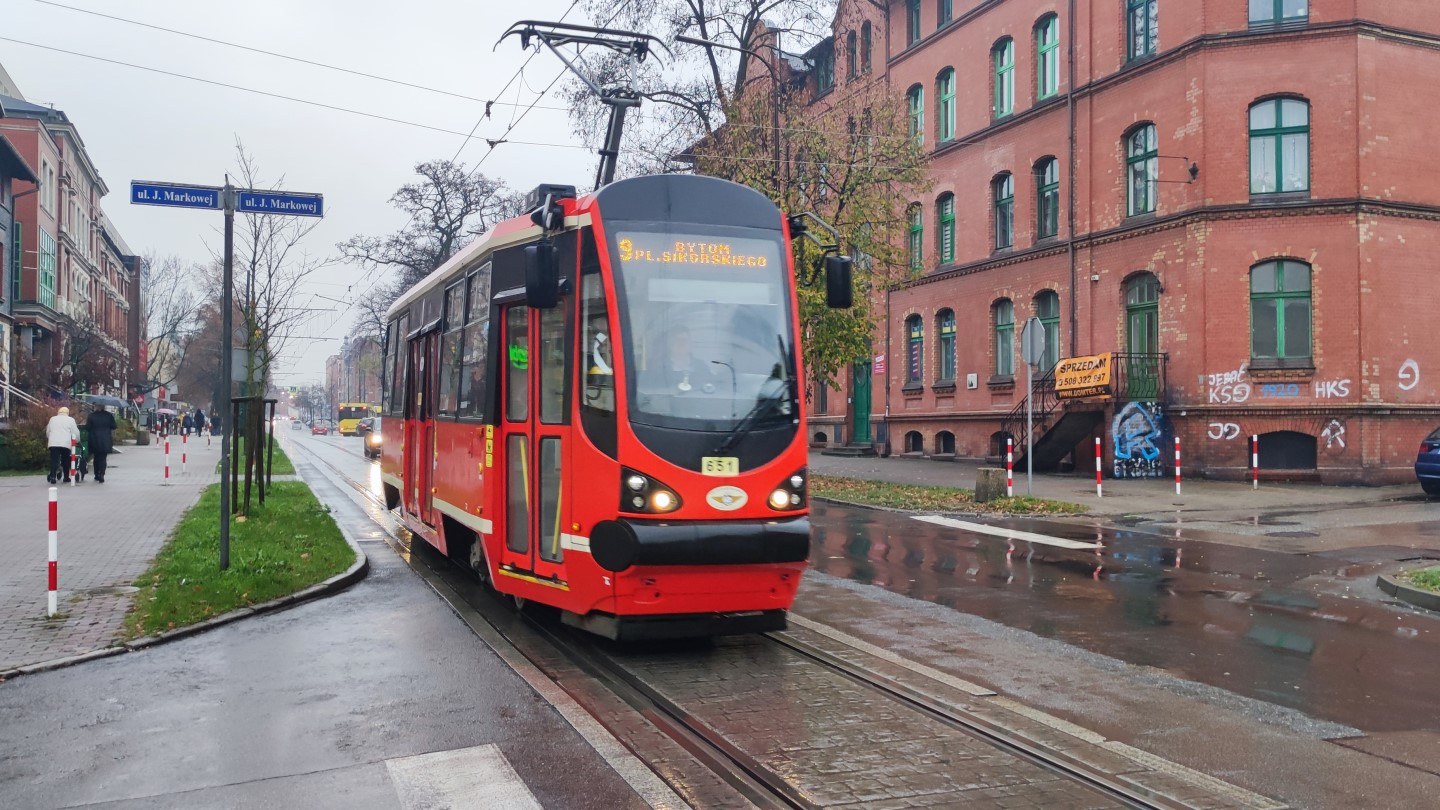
(1177, 465)
(1255, 461)
(1099, 454)
(74, 461)
(52, 605)
(167, 461)
(1009, 467)
(184, 440)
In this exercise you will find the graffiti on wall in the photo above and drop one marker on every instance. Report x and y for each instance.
(1332, 389)
(1139, 429)
(1334, 435)
(1223, 431)
(1227, 388)
(1409, 375)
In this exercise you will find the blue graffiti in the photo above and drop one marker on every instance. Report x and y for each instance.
(1279, 390)
(1138, 430)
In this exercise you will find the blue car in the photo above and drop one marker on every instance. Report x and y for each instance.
(1427, 464)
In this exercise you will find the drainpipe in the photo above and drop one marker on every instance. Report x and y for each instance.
(1070, 209)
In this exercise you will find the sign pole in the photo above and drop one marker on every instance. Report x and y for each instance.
(1030, 430)
(226, 327)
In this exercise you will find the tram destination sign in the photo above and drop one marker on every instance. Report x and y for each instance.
(251, 201)
(175, 195)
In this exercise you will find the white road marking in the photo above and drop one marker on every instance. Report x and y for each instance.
(478, 777)
(1009, 534)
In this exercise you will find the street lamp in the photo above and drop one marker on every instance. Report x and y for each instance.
(774, 103)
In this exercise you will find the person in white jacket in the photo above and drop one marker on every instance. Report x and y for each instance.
(61, 432)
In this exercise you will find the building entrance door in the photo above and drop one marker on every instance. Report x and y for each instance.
(860, 403)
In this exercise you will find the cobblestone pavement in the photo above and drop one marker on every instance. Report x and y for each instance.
(109, 533)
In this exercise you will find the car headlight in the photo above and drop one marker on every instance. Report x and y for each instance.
(640, 493)
(374, 438)
(789, 494)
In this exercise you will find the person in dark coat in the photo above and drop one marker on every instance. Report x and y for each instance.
(101, 427)
(199, 423)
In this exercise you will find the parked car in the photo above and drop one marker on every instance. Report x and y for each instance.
(1427, 463)
(320, 428)
(368, 429)
(297, 425)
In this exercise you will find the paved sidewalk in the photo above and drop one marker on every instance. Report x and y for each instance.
(1123, 497)
(109, 533)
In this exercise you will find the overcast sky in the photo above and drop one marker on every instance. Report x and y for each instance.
(144, 126)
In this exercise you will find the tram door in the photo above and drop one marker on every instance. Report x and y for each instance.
(419, 454)
(533, 434)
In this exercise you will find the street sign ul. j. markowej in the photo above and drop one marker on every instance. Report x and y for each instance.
(250, 201)
(175, 195)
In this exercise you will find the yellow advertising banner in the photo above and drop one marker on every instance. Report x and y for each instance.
(1084, 377)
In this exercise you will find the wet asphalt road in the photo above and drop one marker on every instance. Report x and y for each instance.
(308, 707)
(1310, 633)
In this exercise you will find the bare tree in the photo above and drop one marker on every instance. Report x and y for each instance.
(447, 209)
(690, 93)
(168, 314)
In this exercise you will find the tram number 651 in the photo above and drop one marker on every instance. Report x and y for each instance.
(720, 465)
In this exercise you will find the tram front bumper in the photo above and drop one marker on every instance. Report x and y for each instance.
(619, 544)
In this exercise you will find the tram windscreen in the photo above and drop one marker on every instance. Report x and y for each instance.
(706, 317)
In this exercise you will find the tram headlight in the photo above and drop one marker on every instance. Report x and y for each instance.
(640, 493)
(790, 493)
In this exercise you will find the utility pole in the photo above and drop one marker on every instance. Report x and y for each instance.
(227, 325)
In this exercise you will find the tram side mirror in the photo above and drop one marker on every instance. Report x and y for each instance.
(839, 286)
(542, 275)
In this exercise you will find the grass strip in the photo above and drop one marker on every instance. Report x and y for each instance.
(286, 545)
(282, 461)
(923, 498)
(1427, 578)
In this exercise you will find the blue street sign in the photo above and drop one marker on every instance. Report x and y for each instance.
(249, 201)
(174, 195)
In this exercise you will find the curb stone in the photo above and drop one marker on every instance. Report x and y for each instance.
(897, 510)
(357, 571)
(1429, 600)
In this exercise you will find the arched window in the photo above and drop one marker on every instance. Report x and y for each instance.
(1003, 315)
(1047, 198)
(821, 396)
(1047, 309)
(850, 56)
(1142, 28)
(914, 442)
(1002, 61)
(915, 348)
(1047, 56)
(1280, 311)
(1279, 146)
(912, 21)
(945, 443)
(866, 38)
(1003, 191)
(1269, 12)
(944, 12)
(917, 238)
(1142, 163)
(945, 105)
(945, 220)
(945, 336)
(915, 104)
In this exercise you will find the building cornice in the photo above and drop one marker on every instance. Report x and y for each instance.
(1183, 219)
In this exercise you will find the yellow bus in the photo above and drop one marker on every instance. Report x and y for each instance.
(350, 414)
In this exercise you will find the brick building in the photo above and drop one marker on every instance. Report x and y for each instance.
(75, 269)
(1227, 201)
(12, 168)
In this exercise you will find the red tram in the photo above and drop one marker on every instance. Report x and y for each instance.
(597, 407)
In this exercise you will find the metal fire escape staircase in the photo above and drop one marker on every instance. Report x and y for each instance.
(1055, 435)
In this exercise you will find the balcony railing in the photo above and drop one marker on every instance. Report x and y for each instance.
(1139, 377)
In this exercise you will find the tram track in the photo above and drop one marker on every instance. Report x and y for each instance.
(746, 767)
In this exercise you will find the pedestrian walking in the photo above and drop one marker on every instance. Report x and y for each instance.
(60, 433)
(101, 427)
(199, 423)
(187, 424)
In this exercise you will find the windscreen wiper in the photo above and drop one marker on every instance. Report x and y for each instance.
(747, 423)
